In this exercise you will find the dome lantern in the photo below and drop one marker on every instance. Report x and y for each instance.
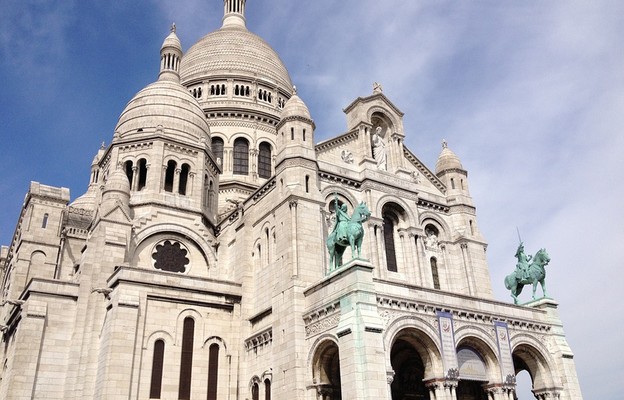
(234, 13)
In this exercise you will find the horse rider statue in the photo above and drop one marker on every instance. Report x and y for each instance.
(522, 267)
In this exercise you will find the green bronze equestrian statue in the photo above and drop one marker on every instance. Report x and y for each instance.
(348, 231)
(528, 273)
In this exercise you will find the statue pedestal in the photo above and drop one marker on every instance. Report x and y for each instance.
(362, 362)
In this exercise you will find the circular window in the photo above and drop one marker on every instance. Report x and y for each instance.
(170, 256)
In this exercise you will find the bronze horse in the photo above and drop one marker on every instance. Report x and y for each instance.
(354, 233)
(536, 273)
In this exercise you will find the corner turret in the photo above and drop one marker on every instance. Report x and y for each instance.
(295, 140)
(450, 171)
(170, 55)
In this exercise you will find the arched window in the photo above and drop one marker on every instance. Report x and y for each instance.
(217, 149)
(307, 183)
(184, 175)
(157, 369)
(142, 173)
(304, 135)
(213, 369)
(129, 172)
(434, 272)
(186, 362)
(169, 174)
(241, 157)
(255, 391)
(393, 215)
(388, 230)
(264, 160)
(44, 223)
(267, 389)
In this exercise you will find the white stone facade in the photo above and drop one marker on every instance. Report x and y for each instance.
(195, 264)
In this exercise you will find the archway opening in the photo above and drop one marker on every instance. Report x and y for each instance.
(524, 385)
(326, 372)
(409, 372)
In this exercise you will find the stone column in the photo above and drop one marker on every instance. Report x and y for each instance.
(390, 379)
(383, 268)
(176, 181)
(293, 221)
(374, 247)
(450, 389)
(135, 181)
(190, 184)
(435, 390)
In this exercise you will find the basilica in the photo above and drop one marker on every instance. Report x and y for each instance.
(221, 252)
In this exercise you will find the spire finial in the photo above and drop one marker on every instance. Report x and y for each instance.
(444, 144)
(377, 87)
(294, 92)
(173, 27)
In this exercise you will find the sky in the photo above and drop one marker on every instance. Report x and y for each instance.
(529, 95)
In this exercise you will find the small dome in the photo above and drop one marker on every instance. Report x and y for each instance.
(172, 41)
(117, 182)
(447, 160)
(295, 107)
(87, 200)
(165, 106)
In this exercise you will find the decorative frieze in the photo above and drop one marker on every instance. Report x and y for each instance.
(322, 319)
(261, 339)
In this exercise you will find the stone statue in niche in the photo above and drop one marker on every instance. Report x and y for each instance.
(379, 150)
(431, 241)
(347, 156)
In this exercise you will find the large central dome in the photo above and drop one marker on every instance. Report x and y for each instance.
(233, 51)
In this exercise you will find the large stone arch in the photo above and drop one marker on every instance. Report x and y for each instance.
(410, 217)
(186, 234)
(324, 363)
(430, 217)
(343, 195)
(420, 333)
(383, 113)
(530, 354)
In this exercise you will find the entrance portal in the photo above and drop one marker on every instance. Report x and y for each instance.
(409, 372)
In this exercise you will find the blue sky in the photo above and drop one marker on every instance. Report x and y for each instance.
(530, 95)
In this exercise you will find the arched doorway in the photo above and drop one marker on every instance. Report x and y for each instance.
(409, 372)
(326, 371)
(472, 374)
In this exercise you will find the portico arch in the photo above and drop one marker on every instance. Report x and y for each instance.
(478, 366)
(528, 357)
(326, 370)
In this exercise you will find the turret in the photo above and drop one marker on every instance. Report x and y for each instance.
(295, 140)
(295, 131)
(450, 171)
(170, 55)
